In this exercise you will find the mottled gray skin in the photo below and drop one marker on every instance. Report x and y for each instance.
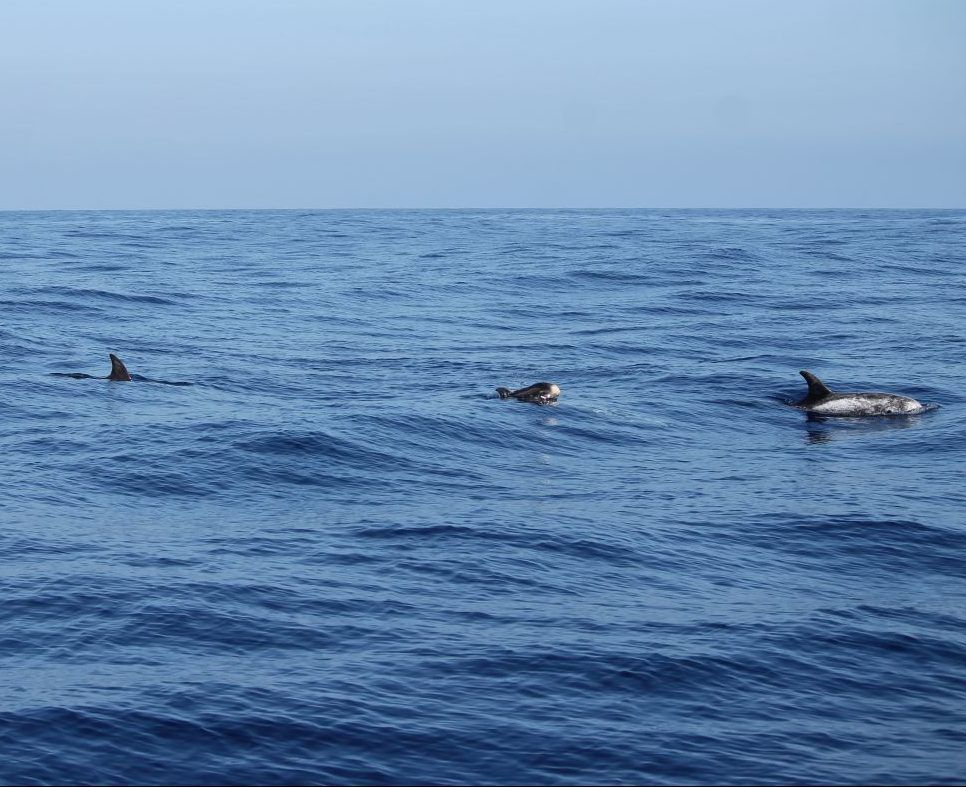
(539, 393)
(118, 370)
(824, 402)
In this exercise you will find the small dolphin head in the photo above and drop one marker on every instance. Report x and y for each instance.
(541, 393)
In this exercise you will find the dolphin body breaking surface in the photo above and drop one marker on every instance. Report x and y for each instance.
(119, 372)
(539, 393)
(822, 401)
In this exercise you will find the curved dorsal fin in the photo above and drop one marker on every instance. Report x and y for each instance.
(816, 388)
(118, 369)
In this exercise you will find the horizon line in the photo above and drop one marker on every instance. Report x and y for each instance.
(475, 208)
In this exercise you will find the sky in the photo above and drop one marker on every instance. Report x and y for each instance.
(141, 104)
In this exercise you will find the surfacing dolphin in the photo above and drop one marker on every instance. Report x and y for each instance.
(118, 373)
(539, 393)
(824, 402)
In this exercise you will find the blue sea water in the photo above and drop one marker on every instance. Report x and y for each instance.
(330, 553)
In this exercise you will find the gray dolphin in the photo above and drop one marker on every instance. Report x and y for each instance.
(118, 373)
(822, 401)
(540, 393)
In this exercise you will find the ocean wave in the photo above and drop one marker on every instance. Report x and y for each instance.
(338, 557)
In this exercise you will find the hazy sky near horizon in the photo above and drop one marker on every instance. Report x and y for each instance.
(482, 103)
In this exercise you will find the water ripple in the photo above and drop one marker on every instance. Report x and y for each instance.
(325, 551)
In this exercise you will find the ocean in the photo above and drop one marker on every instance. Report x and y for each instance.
(310, 544)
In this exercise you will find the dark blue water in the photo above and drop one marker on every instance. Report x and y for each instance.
(336, 556)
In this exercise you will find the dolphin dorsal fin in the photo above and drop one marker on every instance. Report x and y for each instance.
(816, 388)
(118, 369)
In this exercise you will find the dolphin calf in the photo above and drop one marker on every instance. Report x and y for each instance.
(822, 401)
(540, 393)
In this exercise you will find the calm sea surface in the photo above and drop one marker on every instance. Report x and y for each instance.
(330, 553)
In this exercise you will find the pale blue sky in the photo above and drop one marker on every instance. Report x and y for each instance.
(463, 103)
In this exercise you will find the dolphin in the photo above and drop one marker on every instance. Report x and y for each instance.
(824, 402)
(118, 373)
(539, 393)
